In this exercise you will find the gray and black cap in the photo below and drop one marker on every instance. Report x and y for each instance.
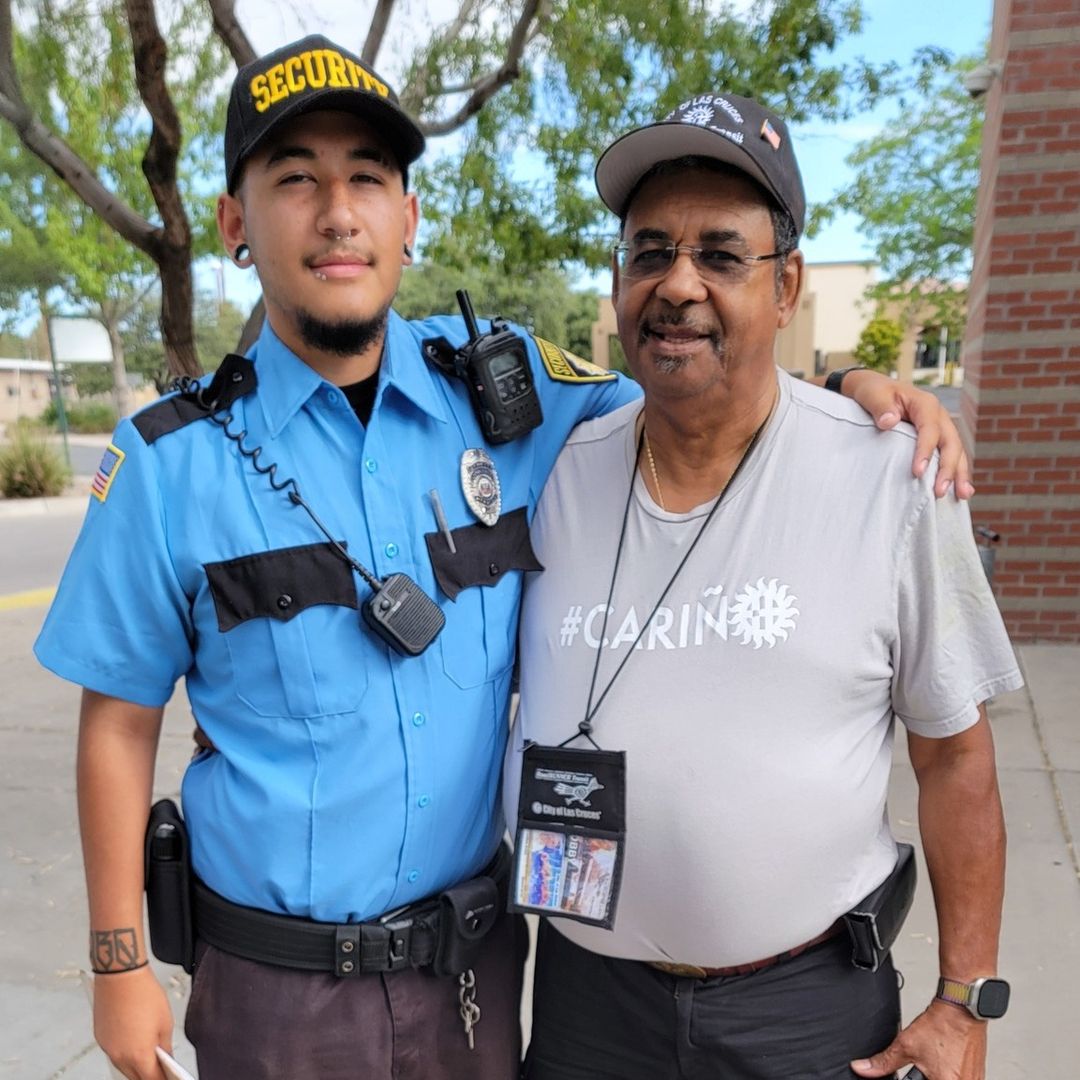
(729, 128)
(312, 74)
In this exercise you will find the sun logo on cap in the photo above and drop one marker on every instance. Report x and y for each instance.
(702, 115)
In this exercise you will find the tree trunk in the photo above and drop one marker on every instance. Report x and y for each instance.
(177, 304)
(121, 390)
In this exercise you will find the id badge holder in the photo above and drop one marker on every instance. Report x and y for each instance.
(571, 834)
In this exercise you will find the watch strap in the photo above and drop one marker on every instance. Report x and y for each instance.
(835, 379)
(955, 992)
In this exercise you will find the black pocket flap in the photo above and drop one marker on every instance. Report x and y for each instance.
(483, 554)
(279, 584)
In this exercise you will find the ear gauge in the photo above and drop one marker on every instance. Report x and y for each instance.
(242, 253)
(408, 252)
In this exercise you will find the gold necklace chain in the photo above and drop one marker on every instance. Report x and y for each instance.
(652, 469)
(652, 460)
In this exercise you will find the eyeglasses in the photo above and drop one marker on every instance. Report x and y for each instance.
(638, 259)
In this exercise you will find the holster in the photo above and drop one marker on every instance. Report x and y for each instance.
(168, 886)
(874, 923)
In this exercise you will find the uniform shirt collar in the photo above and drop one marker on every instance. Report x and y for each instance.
(406, 370)
(286, 382)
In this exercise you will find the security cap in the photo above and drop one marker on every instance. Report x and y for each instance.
(729, 128)
(311, 74)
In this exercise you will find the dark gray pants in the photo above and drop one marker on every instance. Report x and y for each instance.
(595, 1018)
(250, 1021)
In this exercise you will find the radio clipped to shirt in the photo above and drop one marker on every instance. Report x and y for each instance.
(496, 372)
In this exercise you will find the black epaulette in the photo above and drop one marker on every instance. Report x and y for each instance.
(234, 379)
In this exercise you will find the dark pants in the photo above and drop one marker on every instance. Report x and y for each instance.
(252, 1021)
(595, 1018)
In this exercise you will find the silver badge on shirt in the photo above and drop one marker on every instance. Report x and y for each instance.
(480, 483)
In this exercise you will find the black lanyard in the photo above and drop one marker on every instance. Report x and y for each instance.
(585, 727)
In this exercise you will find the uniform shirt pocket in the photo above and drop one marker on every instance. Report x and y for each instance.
(478, 640)
(288, 616)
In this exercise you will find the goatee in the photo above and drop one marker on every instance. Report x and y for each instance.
(345, 337)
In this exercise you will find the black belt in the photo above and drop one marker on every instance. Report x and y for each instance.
(407, 937)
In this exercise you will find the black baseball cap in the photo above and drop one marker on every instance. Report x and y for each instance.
(311, 74)
(726, 127)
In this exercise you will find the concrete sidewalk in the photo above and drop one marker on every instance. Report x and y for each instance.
(45, 1029)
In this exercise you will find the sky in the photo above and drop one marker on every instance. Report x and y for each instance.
(893, 30)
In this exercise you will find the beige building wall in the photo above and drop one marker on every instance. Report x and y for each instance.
(24, 389)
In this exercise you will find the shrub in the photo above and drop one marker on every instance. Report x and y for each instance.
(90, 417)
(29, 468)
(84, 417)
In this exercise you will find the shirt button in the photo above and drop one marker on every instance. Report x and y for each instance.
(414, 876)
(493, 569)
(391, 550)
(371, 465)
(284, 601)
(423, 801)
(332, 397)
(418, 719)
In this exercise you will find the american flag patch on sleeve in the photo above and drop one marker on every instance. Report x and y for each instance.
(111, 461)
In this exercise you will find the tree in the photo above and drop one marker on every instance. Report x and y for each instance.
(127, 198)
(914, 191)
(555, 80)
(879, 344)
(542, 301)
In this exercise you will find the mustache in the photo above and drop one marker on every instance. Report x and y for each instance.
(674, 320)
(350, 251)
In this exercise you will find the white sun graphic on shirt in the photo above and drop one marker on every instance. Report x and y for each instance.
(763, 613)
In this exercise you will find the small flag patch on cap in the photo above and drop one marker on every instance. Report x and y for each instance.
(111, 461)
(769, 133)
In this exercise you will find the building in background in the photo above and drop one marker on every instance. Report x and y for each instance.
(1021, 399)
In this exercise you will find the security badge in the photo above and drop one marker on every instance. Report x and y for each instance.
(480, 483)
(571, 832)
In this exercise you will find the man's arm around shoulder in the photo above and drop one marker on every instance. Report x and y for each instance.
(117, 748)
(963, 836)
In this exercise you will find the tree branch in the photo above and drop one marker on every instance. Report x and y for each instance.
(377, 31)
(413, 94)
(162, 152)
(228, 28)
(489, 85)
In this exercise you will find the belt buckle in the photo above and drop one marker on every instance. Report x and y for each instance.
(682, 971)
(399, 945)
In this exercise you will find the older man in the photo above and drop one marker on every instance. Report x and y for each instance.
(258, 535)
(709, 683)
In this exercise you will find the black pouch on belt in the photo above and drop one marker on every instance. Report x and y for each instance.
(874, 922)
(467, 912)
(168, 886)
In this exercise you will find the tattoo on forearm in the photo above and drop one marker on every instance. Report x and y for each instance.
(114, 950)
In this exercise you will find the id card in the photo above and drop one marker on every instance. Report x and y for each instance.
(571, 833)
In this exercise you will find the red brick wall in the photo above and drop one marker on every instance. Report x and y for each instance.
(1021, 406)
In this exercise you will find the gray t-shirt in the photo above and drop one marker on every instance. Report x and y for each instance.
(830, 592)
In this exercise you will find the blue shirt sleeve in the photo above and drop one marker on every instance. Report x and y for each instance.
(121, 624)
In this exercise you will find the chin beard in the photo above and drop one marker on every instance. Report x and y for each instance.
(345, 337)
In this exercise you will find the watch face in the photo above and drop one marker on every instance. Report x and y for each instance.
(993, 999)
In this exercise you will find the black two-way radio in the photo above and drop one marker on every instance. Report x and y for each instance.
(495, 369)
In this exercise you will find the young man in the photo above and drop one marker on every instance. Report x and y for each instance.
(344, 818)
(764, 590)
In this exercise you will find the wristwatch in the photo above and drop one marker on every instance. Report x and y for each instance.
(835, 379)
(985, 999)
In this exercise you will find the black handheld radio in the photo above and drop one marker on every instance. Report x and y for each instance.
(495, 368)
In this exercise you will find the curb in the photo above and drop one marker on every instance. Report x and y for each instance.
(58, 505)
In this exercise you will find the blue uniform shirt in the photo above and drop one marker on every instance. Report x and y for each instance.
(347, 779)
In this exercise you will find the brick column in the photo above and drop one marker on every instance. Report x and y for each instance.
(1020, 411)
